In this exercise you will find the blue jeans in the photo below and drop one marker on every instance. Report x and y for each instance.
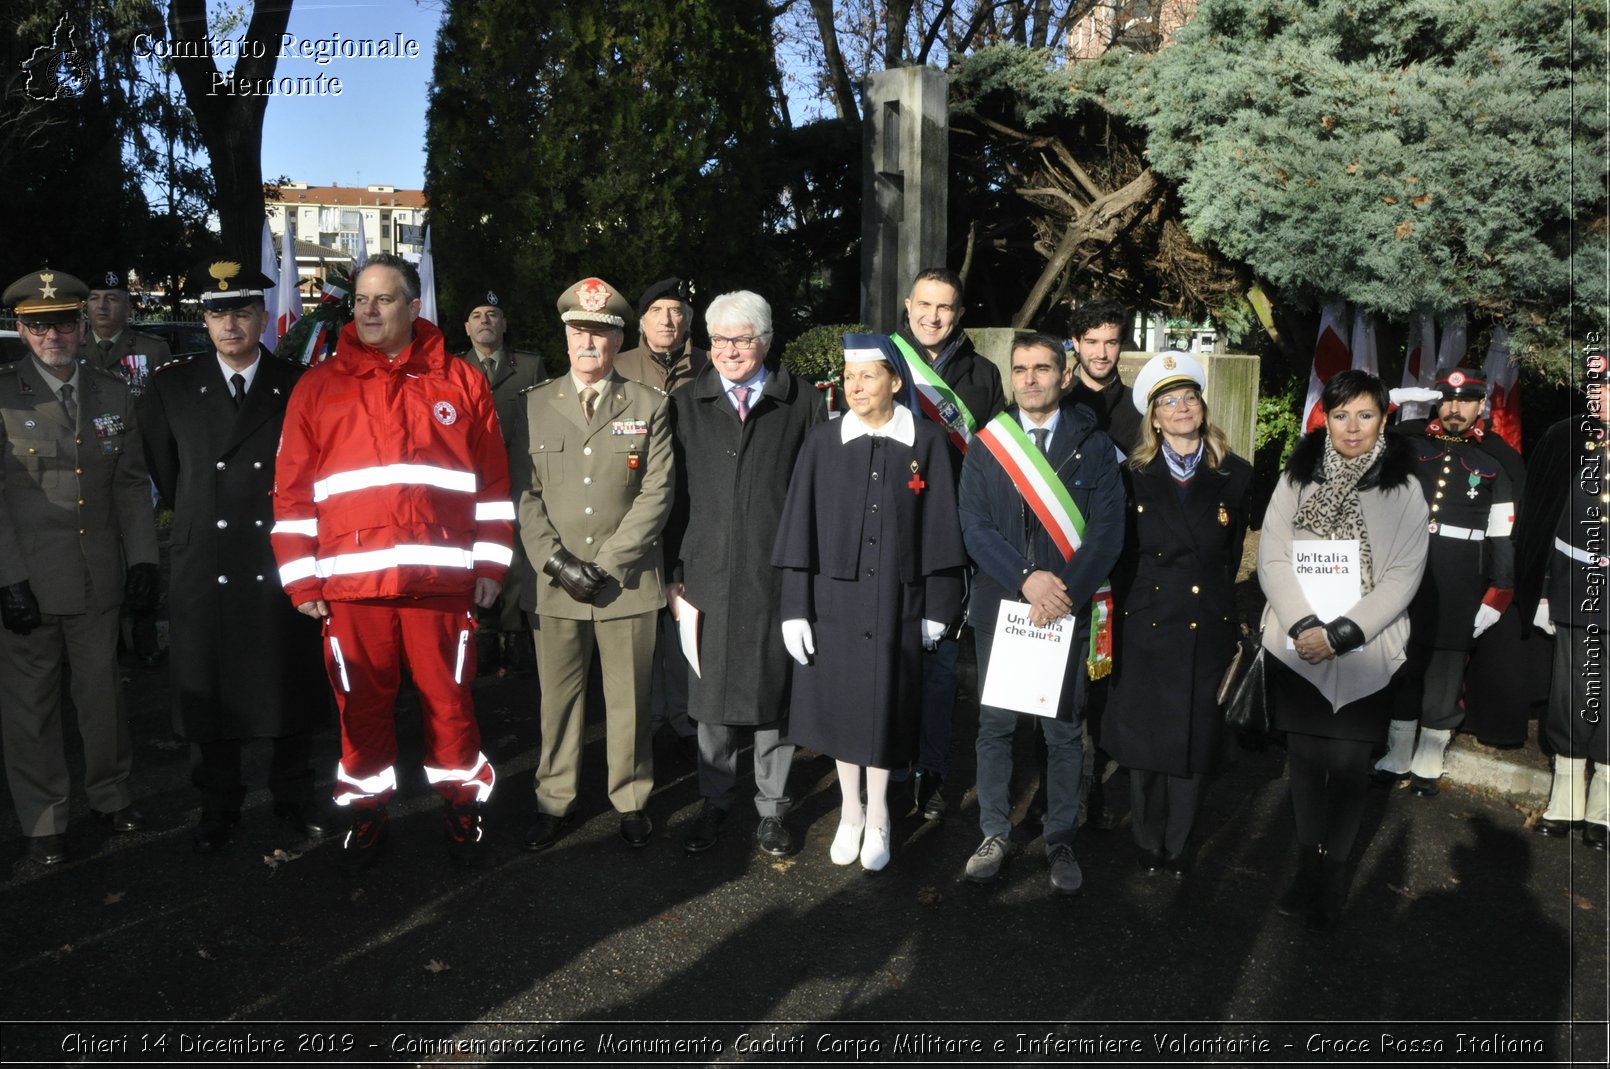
(1064, 741)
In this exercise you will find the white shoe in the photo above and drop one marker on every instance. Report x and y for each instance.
(875, 850)
(846, 842)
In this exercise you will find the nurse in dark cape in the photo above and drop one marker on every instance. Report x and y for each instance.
(872, 555)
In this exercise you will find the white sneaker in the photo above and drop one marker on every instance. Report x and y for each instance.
(846, 842)
(875, 850)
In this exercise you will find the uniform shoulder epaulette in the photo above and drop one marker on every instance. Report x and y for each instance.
(86, 365)
(10, 367)
(178, 361)
(536, 386)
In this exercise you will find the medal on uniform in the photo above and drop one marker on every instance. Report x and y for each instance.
(1475, 481)
(916, 483)
(1224, 516)
(632, 462)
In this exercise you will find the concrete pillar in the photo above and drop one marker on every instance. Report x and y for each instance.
(904, 190)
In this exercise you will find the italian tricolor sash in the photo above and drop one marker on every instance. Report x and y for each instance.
(1044, 493)
(939, 402)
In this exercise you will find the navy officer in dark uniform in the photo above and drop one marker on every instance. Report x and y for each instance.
(247, 665)
(1469, 578)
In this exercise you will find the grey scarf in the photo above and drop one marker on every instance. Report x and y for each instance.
(1333, 511)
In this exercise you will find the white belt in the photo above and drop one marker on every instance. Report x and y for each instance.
(1448, 530)
(1579, 554)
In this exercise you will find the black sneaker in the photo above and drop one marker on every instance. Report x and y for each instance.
(464, 839)
(364, 839)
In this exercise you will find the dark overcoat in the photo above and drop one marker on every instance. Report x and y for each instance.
(731, 483)
(245, 663)
(1175, 618)
(871, 547)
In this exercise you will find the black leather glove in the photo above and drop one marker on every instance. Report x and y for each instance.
(1303, 625)
(140, 589)
(19, 609)
(1343, 635)
(574, 575)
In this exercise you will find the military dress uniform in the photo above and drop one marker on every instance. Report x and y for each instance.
(1563, 561)
(509, 372)
(131, 356)
(1471, 564)
(75, 508)
(599, 489)
(211, 455)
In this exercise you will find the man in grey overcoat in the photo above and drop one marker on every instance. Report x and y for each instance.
(736, 429)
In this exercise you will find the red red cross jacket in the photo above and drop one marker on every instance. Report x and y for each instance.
(391, 479)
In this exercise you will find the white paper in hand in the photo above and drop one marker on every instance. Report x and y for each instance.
(1328, 574)
(1027, 663)
(687, 629)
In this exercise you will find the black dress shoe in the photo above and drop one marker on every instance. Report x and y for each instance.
(1150, 861)
(1593, 835)
(704, 832)
(213, 831)
(303, 819)
(122, 820)
(1385, 777)
(1176, 866)
(47, 849)
(544, 832)
(1554, 829)
(636, 828)
(773, 836)
(1425, 788)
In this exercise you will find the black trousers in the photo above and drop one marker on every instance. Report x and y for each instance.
(1329, 778)
(215, 771)
(1577, 695)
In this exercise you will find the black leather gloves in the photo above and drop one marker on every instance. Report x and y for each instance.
(141, 588)
(1343, 635)
(19, 610)
(582, 579)
(1303, 625)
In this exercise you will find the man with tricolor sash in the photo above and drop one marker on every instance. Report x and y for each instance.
(1042, 513)
(951, 384)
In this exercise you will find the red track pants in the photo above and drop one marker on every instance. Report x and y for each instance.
(366, 643)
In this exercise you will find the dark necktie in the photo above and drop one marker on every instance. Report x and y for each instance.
(742, 394)
(106, 352)
(1040, 434)
(588, 396)
(238, 381)
(490, 367)
(69, 405)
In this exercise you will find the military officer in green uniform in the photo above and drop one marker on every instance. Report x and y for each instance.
(504, 639)
(112, 345)
(75, 506)
(595, 496)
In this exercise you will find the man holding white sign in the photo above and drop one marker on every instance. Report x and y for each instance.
(1042, 513)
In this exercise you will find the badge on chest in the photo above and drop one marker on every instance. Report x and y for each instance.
(628, 426)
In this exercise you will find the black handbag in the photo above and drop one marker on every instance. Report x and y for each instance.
(1248, 709)
(1246, 648)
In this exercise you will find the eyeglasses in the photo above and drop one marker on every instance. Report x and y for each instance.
(39, 330)
(1174, 400)
(742, 341)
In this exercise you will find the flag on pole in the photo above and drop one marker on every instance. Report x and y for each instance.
(1363, 343)
(1503, 395)
(270, 336)
(318, 339)
(1451, 350)
(1331, 354)
(288, 294)
(361, 252)
(427, 282)
(1420, 363)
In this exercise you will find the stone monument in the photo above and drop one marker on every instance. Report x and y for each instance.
(904, 191)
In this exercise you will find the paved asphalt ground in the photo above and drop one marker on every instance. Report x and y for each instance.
(1461, 922)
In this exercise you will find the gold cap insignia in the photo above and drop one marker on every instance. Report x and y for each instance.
(1169, 363)
(222, 271)
(46, 290)
(592, 295)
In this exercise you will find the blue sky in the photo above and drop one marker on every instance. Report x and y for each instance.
(374, 131)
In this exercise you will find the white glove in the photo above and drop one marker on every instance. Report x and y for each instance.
(1406, 394)
(1540, 619)
(1486, 616)
(797, 640)
(932, 632)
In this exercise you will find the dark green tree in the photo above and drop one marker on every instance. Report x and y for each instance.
(618, 138)
(1398, 154)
